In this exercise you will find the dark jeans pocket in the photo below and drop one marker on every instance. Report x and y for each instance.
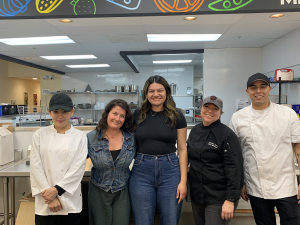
(174, 161)
(137, 162)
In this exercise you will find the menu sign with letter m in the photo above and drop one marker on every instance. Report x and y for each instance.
(289, 1)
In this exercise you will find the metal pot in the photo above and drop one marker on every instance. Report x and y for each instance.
(119, 89)
(133, 88)
(84, 106)
(126, 88)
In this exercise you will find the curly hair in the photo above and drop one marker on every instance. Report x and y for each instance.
(169, 104)
(128, 123)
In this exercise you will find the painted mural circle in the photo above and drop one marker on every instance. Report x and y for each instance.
(178, 5)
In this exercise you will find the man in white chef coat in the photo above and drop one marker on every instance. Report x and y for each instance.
(268, 132)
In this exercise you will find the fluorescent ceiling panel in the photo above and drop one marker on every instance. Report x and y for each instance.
(182, 37)
(172, 61)
(37, 40)
(88, 66)
(62, 57)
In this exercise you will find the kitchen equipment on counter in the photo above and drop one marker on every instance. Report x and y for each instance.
(13, 109)
(5, 110)
(81, 121)
(126, 88)
(84, 106)
(174, 88)
(285, 74)
(133, 88)
(18, 154)
(72, 90)
(89, 121)
(75, 121)
(88, 88)
(119, 89)
(6, 146)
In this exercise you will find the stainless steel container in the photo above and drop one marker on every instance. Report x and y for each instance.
(133, 88)
(173, 88)
(119, 89)
(126, 88)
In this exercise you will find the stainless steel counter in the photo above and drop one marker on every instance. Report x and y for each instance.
(20, 169)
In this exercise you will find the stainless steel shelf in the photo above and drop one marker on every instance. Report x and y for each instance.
(89, 109)
(104, 93)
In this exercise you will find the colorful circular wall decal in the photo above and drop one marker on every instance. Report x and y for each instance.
(178, 5)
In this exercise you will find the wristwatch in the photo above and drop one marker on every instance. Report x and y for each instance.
(231, 200)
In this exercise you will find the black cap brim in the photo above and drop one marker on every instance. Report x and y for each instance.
(66, 108)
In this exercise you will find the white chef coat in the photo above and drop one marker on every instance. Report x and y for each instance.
(58, 159)
(266, 137)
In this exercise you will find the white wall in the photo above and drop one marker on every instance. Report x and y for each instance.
(284, 53)
(226, 72)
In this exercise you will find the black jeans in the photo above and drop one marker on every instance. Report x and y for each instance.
(209, 214)
(70, 219)
(263, 210)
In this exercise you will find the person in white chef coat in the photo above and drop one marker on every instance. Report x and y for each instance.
(268, 132)
(57, 165)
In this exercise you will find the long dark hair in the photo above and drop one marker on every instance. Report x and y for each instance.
(169, 104)
(128, 123)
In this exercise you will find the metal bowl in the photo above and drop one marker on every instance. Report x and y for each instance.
(84, 106)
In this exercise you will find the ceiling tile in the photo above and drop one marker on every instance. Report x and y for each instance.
(187, 29)
(30, 32)
(102, 30)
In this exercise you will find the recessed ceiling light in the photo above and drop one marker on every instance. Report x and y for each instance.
(34, 78)
(66, 21)
(182, 37)
(189, 18)
(69, 57)
(37, 40)
(173, 61)
(88, 65)
(27, 58)
(277, 15)
(53, 66)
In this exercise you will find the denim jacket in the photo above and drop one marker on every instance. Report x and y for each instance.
(106, 173)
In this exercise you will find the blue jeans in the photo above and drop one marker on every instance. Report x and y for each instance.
(154, 181)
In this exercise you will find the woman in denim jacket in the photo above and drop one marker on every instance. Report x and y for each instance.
(111, 147)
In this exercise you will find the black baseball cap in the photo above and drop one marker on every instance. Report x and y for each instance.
(258, 76)
(61, 101)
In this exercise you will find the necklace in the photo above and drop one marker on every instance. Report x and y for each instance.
(153, 114)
